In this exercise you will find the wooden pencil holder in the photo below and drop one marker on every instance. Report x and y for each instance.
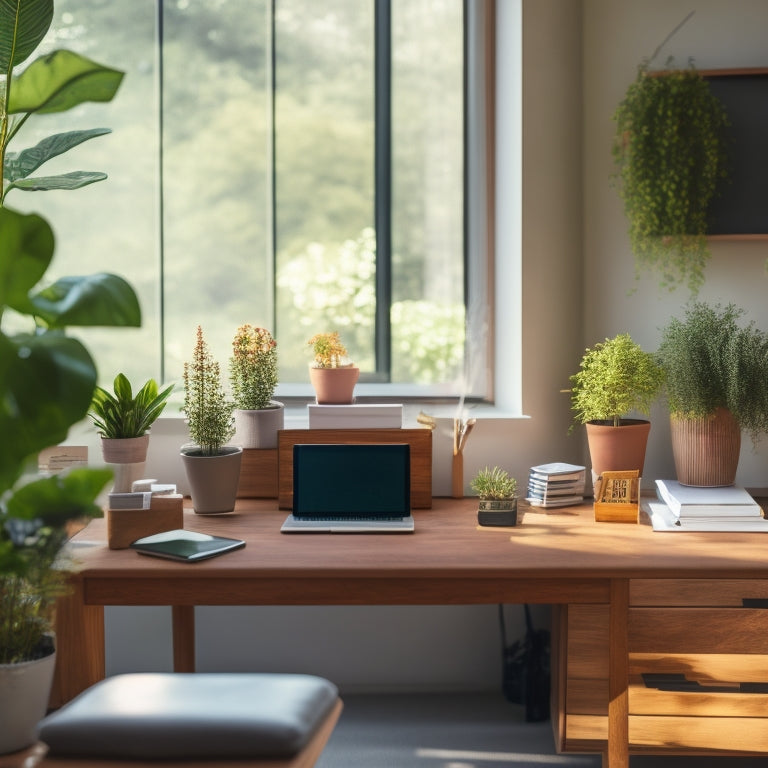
(124, 526)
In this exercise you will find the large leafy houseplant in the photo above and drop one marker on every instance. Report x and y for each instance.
(47, 378)
(716, 380)
(671, 155)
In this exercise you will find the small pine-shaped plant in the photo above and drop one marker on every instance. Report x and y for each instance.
(253, 367)
(494, 484)
(208, 411)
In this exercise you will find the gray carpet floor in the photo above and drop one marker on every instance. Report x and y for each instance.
(463, 730)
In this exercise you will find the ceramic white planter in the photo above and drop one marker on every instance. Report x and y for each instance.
(127, 458)
(213, 480)
(258, 428)
(24, 692)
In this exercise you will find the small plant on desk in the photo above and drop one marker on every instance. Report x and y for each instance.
(496, 491)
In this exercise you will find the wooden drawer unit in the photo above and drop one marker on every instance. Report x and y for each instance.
(698, 669)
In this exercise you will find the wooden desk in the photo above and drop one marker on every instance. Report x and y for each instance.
(562, 558)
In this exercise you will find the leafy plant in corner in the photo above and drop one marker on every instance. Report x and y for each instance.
(122, 415)
(670, 151)
(253, 367)
(47, 378)
(208, 411)
(494, 484)
(710, 361)
(615, 377)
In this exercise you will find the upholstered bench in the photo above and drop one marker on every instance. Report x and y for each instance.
(174, 719)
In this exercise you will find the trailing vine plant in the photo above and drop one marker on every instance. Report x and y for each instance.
(670, 150)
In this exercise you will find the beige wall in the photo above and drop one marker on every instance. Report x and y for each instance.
(617, 35)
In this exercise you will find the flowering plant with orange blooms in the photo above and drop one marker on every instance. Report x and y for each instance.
(253, 367)
(329, 350)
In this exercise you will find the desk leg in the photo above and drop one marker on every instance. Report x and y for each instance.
(79, 646)
(183, 617)
(616, 754)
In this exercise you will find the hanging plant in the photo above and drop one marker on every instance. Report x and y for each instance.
(671, 155)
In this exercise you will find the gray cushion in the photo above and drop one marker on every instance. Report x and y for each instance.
(201, 715)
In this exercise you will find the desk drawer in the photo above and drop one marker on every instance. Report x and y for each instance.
(702, 666)
(697, 592)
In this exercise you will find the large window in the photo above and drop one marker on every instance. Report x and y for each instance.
(288, 163)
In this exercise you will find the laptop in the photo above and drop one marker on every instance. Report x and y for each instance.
(351, 488)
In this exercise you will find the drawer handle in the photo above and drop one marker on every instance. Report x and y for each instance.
(681, 684)
(754, 602)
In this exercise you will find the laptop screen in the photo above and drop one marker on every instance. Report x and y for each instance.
(353, 480)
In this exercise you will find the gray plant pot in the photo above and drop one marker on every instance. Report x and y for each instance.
(213, 480)
(497, 512)
(258, 428)
(24, 692)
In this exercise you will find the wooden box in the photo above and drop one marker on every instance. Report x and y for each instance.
(420, 441)
(124, 526)
(617, 497)
(258, 474)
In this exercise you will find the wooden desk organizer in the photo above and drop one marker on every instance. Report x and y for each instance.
(617, 497)
(124, 526)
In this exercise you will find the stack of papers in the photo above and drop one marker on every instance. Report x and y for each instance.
(687, 508)
(557, 484)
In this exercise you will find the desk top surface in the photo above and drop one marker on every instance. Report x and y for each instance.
(447, 544)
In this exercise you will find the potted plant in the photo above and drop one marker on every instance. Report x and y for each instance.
(671, 155)
(212, 467)
(123, 421)
(47, 375)
(615, 378)
(497, 503)
(253, 375)
(716, 383)
(331, 373)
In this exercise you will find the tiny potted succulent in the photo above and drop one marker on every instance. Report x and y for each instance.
(212, 466)
(253, 376)
(716, 384)
(615, 378)
(497, 503)
(123, 421)
(331, 373)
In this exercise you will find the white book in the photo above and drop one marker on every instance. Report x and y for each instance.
(686, 500)
(356, 416)
(663, 519)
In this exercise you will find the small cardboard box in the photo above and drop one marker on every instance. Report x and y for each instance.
(124, 526)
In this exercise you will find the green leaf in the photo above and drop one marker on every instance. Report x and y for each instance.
(100, 299)
(20, 165)
(60, 81)
(47, 381)
(73, 180)
(23, 25)
(26, 250)
(58, 499)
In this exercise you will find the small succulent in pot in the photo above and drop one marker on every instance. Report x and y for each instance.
(497, 503)
(332, 374)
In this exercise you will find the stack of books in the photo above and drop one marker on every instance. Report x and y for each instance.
(688, 508)
(556, 485)
(356, 416)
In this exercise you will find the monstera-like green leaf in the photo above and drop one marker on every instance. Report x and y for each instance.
(23, 25)
(60, 81)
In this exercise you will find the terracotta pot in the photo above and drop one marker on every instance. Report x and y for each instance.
(128, 455)
(258, 428)
(617, 448)
(706, 451)
(24, 692)
(334, 385)
(213, 480)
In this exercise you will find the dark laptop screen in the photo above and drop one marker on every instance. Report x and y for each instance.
(354, 480)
